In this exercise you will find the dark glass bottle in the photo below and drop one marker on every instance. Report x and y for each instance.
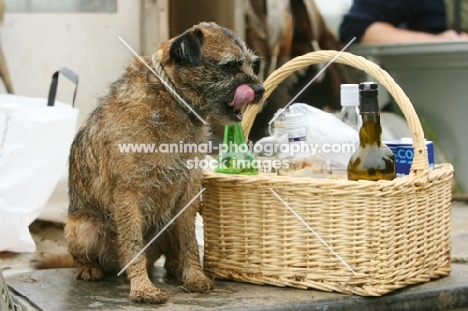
(372, 160)
(234, 156)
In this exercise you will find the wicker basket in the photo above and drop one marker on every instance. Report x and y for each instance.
(365, 238)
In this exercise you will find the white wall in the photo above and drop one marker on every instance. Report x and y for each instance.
(37, 44)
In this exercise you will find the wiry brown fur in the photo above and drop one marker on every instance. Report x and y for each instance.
(119, 201)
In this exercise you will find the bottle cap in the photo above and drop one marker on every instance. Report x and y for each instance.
(368, 89)
(407, 140)
(349, 95)
(295, 125)
(368, 101)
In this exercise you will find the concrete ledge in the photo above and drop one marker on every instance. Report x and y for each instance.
(58, 290)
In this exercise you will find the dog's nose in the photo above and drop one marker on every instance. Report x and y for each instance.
(258, 90)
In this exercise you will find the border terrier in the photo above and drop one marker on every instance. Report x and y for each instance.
(120, 201)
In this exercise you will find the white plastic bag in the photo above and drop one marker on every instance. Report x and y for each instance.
(328, 137)
(334, 140)
(34, 145)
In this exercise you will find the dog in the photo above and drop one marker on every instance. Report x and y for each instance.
(119, 200)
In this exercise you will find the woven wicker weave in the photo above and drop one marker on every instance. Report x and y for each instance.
(390, 233)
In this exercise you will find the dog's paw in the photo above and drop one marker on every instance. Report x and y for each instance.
(149, 294)
(198, 284)
(88, 273)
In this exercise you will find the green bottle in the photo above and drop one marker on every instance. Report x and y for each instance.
(234, 156)
(373, 160)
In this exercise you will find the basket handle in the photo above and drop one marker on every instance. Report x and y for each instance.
(420, 161)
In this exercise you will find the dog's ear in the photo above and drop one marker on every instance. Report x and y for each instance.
(186, 49)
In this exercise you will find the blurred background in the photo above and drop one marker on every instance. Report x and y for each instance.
(38, 37)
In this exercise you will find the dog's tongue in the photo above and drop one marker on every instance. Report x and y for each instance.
(244, 95)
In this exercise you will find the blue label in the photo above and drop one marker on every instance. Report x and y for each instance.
(404, 154)
(291, 139)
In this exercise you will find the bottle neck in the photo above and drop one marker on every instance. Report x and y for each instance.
(349, 108)
(234, 134)
(349, 112)
(371, 130)
(233, 139)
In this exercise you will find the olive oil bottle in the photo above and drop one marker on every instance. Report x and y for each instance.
(372, 160)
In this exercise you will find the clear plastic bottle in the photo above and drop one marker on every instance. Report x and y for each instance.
(269, 146)
(349, 95)
(296, 159)
(278, 127)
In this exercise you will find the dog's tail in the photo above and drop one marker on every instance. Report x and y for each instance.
(55, 262)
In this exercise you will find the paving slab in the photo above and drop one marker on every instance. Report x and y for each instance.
(459, 231)
(58, 290)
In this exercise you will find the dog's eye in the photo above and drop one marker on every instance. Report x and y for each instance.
(234, 65)
(256, 66)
